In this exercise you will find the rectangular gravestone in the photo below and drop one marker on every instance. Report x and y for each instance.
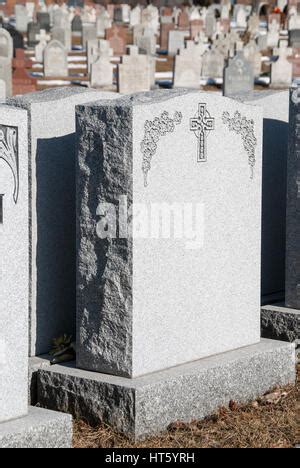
(22, 18)
(6, 74)
(238, 76)
(43, 19)
(293, 205)
(294, 38)
(14, 265)
(33, 30)
(165, 29)
(134, 72)
(89, 33)
(151, 300)
(176, 41)
(52, 211)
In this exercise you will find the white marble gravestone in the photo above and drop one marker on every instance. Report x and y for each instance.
(188, 63)
(253, 55)
(43, 39)
(273, 34)
(6, 44)
(2, 90)
(102, 72)
(176, 41)
(55, 59)
(64, 36)
(134, 73)
(103, 22)
(135, 16)
(22, 18)
(282, 69)
(212, 64)
(179, 295)
(6, 74)
(89, 32)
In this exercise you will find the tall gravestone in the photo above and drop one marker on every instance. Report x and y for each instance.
(76, 25)
(187, 68)
(6, 44)
(155, 294)
(238, 76)
(33, 30)
(134, 72)
(293, 205)
(52, 211)
(55, 59)
(43, 19)
(6, 74)
(20, 426)
(22, 18)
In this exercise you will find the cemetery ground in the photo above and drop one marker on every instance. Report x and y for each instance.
(268, 422)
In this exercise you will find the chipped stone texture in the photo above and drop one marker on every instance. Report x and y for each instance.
(88, 398)
(292, 289)
(104, 279)
(280, 323)
(52, 210)
(39, 429)
(147, 405)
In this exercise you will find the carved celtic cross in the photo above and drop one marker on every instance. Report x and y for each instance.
(200, 124)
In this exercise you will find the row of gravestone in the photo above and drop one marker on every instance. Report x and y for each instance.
(93, 199)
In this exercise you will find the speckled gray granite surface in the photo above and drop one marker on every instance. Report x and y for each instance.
(41, 428)
(148, 404)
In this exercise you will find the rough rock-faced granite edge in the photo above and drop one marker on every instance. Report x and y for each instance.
(148, 97)
(280, 323)
(104, 266)
(148, 404)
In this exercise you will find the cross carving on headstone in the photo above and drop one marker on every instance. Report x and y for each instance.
(201, 124)
(43, 36)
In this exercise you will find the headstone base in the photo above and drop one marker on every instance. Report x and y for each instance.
(147, 405)
(41, 428)
(280, 323)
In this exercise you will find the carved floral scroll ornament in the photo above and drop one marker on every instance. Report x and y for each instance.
(9, 153)
(154, 130)
(245, 128)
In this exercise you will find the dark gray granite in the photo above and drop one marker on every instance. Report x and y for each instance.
(292, 287)
(280, 323)
(104, 266)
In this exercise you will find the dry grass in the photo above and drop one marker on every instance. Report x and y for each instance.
(269, 422)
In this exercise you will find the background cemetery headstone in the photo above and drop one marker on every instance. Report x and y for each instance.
(238, 76)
